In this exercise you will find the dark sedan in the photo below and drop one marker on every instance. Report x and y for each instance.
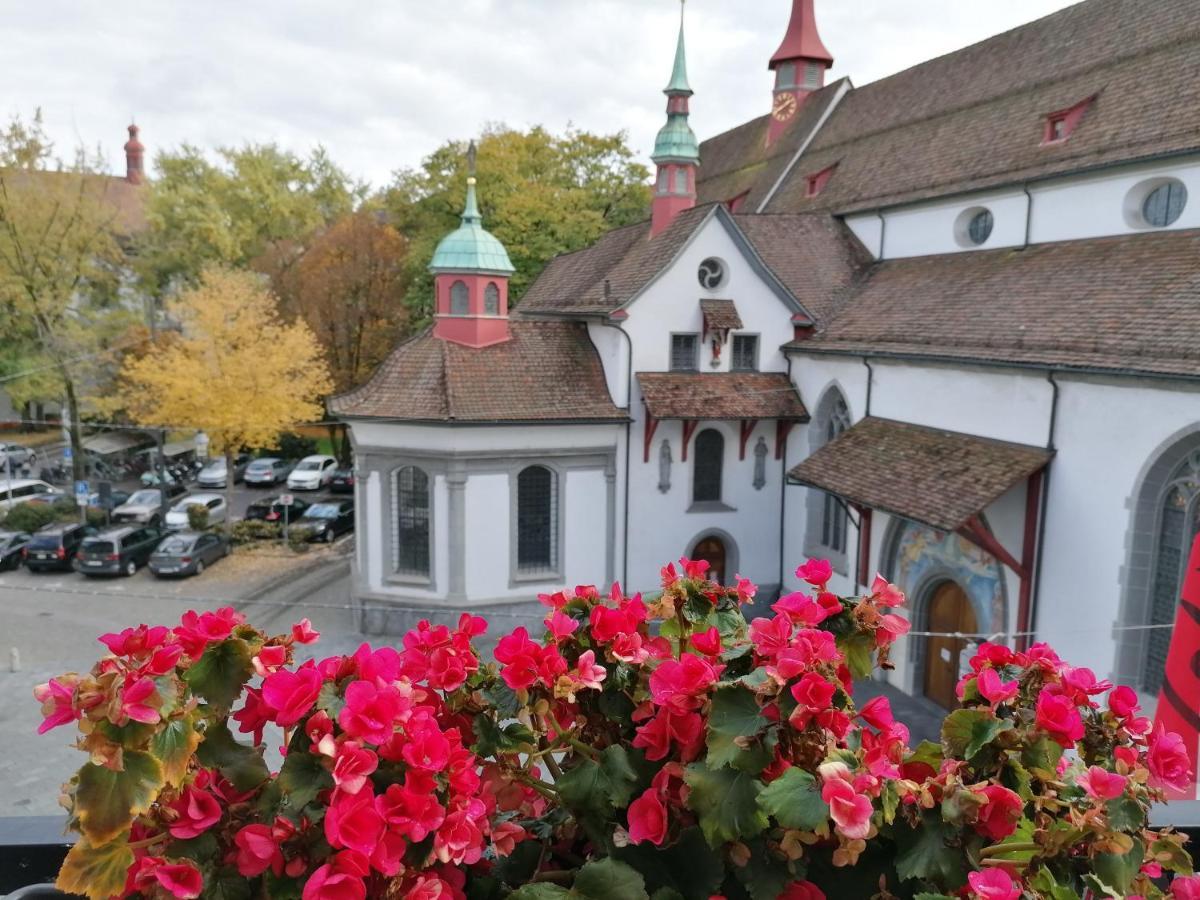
(325, 521)
(342, 481)
(117, 551)
(11, 545)
(270, 509)
(187, 554)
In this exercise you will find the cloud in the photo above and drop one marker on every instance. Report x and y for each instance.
(381, 83)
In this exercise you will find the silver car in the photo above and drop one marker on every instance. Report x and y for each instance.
(145, 506)
(268, 471)
(213, 475)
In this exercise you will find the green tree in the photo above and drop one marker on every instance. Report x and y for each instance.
(249, 202)
(542, 195)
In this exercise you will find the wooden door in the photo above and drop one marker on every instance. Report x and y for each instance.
(949, 611)
(712, 550)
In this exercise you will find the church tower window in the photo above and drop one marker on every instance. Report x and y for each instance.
(491, 300)
(537, 521)
(460, 302)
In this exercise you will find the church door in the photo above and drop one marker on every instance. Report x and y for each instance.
(712, 550)
(949, 611)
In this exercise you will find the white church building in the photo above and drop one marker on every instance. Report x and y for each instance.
(945, 326)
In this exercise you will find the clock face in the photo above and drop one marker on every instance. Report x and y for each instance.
(785, 107)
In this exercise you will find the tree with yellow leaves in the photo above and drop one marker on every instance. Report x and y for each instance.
(235, 370)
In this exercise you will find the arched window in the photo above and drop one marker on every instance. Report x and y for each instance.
(827, 520)
(460, 302)
(681, 181)
(491, 300)
(537, 521)
(710, 459)
(410, 502)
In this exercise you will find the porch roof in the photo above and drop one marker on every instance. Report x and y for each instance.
(721, 395)
(937, 477)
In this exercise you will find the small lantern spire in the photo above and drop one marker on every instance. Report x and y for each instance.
(676, 150)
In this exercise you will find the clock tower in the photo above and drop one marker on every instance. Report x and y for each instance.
(676, 150)
(799, 66)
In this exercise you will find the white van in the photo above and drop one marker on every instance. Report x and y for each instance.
(22, 490)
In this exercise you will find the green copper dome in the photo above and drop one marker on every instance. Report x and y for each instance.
(676, 141)
(471, 248)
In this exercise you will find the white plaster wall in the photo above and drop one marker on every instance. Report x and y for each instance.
(614, 354)
(488, 537)
(585, 537)
(931, 228)
(486, 439)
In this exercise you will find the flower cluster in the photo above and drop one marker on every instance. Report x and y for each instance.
(632, 747)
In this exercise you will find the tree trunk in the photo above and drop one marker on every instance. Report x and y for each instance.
(78, 471)
(229, 454)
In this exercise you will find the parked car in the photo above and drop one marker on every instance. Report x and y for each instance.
(342, 481)
(145, 506)
(325, 521)
(268, 471)
(54, 547)
(312, 473)
(23, 490)
(270, 509)
(117, 551)
(16, 454)
(214, 475)
(177, 516)
(115, 498)
(187, 553)
(11, 545)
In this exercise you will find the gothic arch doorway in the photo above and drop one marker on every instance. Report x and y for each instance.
(947, 611)
(712, 550)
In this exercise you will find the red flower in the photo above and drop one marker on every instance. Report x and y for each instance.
(257, 851)
(1168, 761)
(353, 822)
(370, 712)
(412, 809)
(993, 884)
(290, 695)
(254, 716)
(813, 695)
(887, 594)
(648, 819)
(850, 810)
(993, 690)
(135, 641)
(1057, 716)
(197, 812)
(816, 572)
(269, 659)
(182, 880)
(877, 712)
(1123, 701)
(1101, 784)
(685, 729)
(678, 683)
(57, 697)
(707, 642)
(1186, 887)
(341, 879)
(802, 890)
(304, 633)
(560, 625)
(351, 767)
(133, 701)
(999, 816)
(460, 840)
(426, 748)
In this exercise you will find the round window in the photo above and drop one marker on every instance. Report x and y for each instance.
(1164, 205)
(979, 229)
(712, 274)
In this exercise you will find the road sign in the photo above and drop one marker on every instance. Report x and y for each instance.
(81, 493)
(286, 499)
(68, 452)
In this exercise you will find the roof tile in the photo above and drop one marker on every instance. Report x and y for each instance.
(721, 395)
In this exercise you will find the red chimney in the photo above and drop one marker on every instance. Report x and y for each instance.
(799, 65)
(135, 173)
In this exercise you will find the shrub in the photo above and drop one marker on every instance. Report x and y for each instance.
(197, 514)
(293, 446)
(664, 749)
(248, 531)
(31, 516)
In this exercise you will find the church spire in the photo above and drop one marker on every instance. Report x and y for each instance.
(799, 65)
(676, 150)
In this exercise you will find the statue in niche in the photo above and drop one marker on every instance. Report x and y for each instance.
(664, 467)
(760, 464)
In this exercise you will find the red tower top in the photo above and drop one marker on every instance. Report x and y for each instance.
(134, 154)
(799, 65)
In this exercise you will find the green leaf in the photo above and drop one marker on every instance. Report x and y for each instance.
(859, 650)
(927, 752)
(199, 849)
(967, 731)
(620, 775)
(96, 871)
(1168, 852)
(736, 715)
(539, 892)
(1016, 778)
(173, 744)
(924, 853)
(1125, 814)
(666, 893)
(502, 699)
(765, 874)
(1023, 834)
(1041, 757)
(596, 788)
(492, 739)
(241, 764)
(302, 777)
(608, 879)
(697, 608)
(107, 801)
(1119, 869)
(1047, 885)
(687, 866)
(726, 802)
(221, 673)
(794, 799)
(487, 735)
(329, 699)
(229, 885)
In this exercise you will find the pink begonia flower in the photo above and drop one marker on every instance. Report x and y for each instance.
(694, 568)
(590, 674)
(993, 690)
(340, 879)
(1101, 784)
(888, 593)
(133, 704)
(1168, 762)
(1123, 701)
(850, 810)
(1057, 716)
(998, 817)
(352, 765)
(181, 880)
(290, 695)
(304, 633)
(426, 748)
(816, 572)
(679, 683)
(801, 890)
(993, 884)
(370, 711)
(197, 812)
(648, 819)
(746, 590)
(257, 851)
(269, 659)
(891, 627)
(135, 641)
(57, 697)
(459, 840)
(1186, 887)
(707, 642)
(352, 821)
(877, 712)
(412, 809)
(813, 694)
(506, 836)
(560, 625)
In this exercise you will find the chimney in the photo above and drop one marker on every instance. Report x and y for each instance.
(135, 172)
(799, 65)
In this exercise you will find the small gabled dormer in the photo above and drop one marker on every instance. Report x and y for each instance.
(1060, 124)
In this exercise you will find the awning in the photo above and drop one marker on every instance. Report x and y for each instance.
(721, 395)
(110, 442)
(720, 315)
(940, 478)
(179, 448)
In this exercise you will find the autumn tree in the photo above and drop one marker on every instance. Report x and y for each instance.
(236, 370)
(542, 195)
(61, 269)
(249, 201)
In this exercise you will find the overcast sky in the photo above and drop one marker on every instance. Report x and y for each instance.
(382, 83)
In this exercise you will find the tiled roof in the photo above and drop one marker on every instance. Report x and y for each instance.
(1123, 304)
(739, 160)
(721, 395)
(548, 371)
(126, 200)
(975, 118)
(720, 314)
(627, 259)
(940, 478)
